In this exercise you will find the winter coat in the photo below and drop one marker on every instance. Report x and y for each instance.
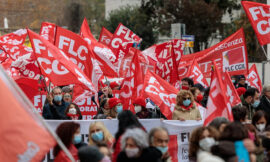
(192, 114)
(149, 154)
(264, 105)
(55, 111)
(62, 157)
(250, 109)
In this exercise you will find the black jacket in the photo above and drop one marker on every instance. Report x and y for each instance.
(149, 154)
(55, 111)
(264, 105)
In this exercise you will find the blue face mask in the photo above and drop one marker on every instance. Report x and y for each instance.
(98, 136)
(233, 81)
(256, 103)
(186, 102)
(163, 150)
(77, 139)
(57, 98)
(119, 109)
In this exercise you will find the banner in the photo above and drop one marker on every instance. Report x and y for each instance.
(254, 78)
(47, 31)
(179, 133)
(258, 15)
(105, 36)
(229, 55)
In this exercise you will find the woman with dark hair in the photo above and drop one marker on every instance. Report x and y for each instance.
(69, 133)
(198, 97)
(126, 119)
(73, 112)
(234, 132)
(260, 121)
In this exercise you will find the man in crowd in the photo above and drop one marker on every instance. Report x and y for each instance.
(187, 83)
(56, 106)
(265, 100)
(159, 138)
(251, 100)
(242, 82)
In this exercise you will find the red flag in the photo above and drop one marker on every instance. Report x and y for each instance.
(229, 54)
(218, 103)
(105, 36)
(161, 93)
(24, 138)
(56, 65)
(258, 15)
(103, 54)
(47, 31)
(123, 39)
(254, 78)
(11, 71)
(15, 38)
(196, 74)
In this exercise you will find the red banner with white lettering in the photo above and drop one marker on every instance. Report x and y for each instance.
(105, 36)
(231, 92)
(15, 38)
(162, 93)
(47, 31)
(229, 54)
(254, 78)
(218, 104)
(259, 15)
(55, 64)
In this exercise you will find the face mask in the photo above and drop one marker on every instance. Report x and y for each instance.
(256, 103)
(185, 87)
(72, 111)
(57, 98)
(98, 136)
(186, 102)
(207, 143)
(106, 159)
(163, 150)
(138, 109)
(260, 127)
(119, 109)
(233, 81)
(77, 139)
(199, 97)
(131, 152)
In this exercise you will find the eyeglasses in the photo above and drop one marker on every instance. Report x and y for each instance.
(188, 98)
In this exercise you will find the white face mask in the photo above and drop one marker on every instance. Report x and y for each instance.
(72, 111)
(131, 152)
(137, 109)
(207, 143)
(260, 127)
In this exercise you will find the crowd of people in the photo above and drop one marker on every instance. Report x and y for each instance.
(247, 138)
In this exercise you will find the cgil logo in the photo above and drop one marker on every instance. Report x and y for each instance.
(29, 154)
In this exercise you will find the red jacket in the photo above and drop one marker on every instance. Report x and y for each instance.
(62, 157)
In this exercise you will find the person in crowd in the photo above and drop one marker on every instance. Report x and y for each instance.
(67, 97)
(115, 107)
(186, 83)
(198, 97)
(104, 106)
(266, 144)
(141, 111)
(134, 147)
(104, 92)
(114, 86)
(104, 149)
(200, 87)
(159, 138)
(225, 150)
(260, 120)
(69, 133)
(73, 112)
(242, 82)
(234, 80)
(265, 100)
(205, 97)
(67, 89)
(98, 133)
(201, 140)
(240, 91)
(91, 153)
(219, 123)
(185, 108)
(56, 107)
(126, 119)
(240, 114)
(251, 100)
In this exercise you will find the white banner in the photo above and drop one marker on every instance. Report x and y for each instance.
(179, 132)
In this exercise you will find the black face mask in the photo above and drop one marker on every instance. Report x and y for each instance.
(266, 143)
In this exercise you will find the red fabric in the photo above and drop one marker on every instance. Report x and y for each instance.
(117, 150)
(218, 103)
(241, 91)
(254, 78)
(161, 93)
(199, 98)
(233, 46)
(258, 15)
(140, 101)
(21, 134)
(14, 38)
(113, 102)
(62, 157)
(187, 107)
(113, 85)
(105, 36)
(47, 31)
(55, 65)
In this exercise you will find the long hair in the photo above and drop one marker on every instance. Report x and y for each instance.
(77, 110)
(65, 131)
(181, 94)
(126, 119)
(107, 135)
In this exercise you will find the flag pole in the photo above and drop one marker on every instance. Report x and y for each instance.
(264, 53)
(32, 110)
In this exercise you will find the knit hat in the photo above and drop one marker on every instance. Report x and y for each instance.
(241, 91)
(113, 102)
(113, 85)
(140, 101)
(90, 153)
